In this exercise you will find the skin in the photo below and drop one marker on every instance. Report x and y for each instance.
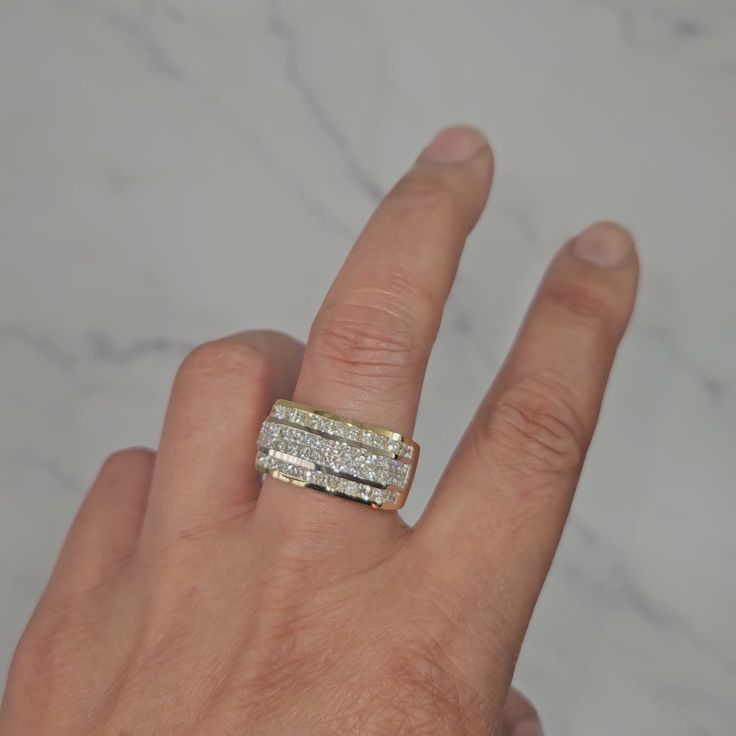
(190, 597)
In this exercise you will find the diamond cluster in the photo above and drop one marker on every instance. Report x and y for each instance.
(328, 482)
(334, 455)
(341, 430)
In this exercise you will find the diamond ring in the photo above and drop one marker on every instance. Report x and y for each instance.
(315, 449)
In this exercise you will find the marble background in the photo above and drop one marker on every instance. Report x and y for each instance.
(160, 159)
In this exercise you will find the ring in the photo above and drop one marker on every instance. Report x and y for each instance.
(314, 449)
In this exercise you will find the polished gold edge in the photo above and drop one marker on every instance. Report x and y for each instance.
(353, 422)
(284, 477)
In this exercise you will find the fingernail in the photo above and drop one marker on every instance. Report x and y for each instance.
(529, 727)
(454, 145)
(604, 244)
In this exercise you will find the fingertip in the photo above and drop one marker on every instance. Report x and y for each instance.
(462, 157)
(605, 244)
(455, 144)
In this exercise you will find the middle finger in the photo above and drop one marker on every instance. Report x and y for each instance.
(370, 342)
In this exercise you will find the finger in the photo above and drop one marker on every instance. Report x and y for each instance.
(205, 468)
(505, 496)
(369, 345)
(106, 528)
(519, 717)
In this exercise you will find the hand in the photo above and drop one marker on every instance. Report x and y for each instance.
(190, 598)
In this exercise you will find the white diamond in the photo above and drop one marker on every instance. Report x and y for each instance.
(399, 474)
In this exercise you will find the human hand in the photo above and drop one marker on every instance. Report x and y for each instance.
(190, 598)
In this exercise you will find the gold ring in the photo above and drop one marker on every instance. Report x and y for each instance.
(314, 449)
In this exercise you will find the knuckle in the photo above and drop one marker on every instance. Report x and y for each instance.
(430, 194)
(45, 650)
(534, 427)
(365, 344)
(223, 359)
(35, 654)
(587, 304)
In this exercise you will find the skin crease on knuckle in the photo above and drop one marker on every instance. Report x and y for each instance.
(430, 194)
(367, 348)
(534, 429)
(584, 306)
(534, 426)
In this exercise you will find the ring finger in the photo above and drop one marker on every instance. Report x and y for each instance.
(370, 342)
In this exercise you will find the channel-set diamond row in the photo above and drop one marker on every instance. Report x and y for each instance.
(327, 481)
(341, 430)
(333, 455)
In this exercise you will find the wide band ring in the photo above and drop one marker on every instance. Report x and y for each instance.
(343, 457)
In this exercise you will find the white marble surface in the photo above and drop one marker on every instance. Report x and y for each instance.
(158, 159)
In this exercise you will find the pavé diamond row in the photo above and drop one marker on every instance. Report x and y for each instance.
(280, 465)
(323, 451)
(342, 429)
(338, 457)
